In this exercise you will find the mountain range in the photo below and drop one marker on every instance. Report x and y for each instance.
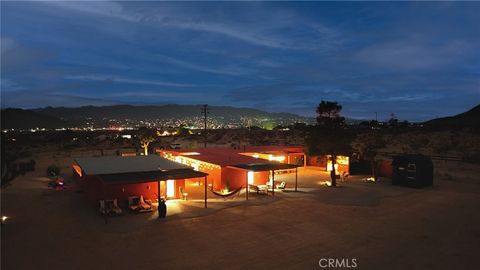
(54, 117)
(57, 117)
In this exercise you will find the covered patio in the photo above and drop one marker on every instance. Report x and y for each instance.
(160, 176)
(266, 167)
(150, 178)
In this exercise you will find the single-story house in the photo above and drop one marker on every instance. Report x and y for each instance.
(230, 168)
(117, 177)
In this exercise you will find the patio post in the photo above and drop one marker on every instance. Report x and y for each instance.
(273, 182)
(246, 186)
(159, 197)
(205, 187)
(296, 178)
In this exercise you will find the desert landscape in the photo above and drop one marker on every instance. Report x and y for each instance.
(381, 225)
(147, 135)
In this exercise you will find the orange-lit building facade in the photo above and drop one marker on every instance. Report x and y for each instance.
(219, 163)
(121, 185)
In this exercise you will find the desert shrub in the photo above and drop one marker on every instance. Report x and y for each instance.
(53, 170)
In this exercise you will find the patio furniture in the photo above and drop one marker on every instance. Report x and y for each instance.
(138, 204)
(102, 209)
(261, 189)
(145, 204)
(228, 194)
(282, 185)
(110, 207)
(183, 194)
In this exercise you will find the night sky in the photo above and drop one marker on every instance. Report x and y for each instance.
(416, 60)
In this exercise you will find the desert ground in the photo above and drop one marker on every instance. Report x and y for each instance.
(380, 225)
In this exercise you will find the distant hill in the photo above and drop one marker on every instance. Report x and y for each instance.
(27, 119)
(468, 119)
(53, 117)
(155, 112)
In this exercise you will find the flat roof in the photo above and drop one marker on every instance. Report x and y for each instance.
(227, 156)
(261, 167)
(135, 164)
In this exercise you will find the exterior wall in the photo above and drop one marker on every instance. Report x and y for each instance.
(214, 177)
(237, 178)
(123, 191)
(296, 159)
(96, 190)
(317, 161)
(233, 178)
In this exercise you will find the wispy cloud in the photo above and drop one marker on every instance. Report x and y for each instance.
(266, 33)
(121, 79)
(414, 54)
(225, 70)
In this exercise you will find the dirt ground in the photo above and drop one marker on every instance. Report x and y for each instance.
(381, 226)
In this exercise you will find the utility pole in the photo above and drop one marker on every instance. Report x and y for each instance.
(205, 112)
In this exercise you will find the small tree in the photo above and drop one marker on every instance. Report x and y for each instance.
(329, 136)
(367, 145)
(146, 136)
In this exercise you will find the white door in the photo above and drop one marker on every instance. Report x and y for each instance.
(170, 188)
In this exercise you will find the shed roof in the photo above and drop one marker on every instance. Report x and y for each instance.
(118, 165)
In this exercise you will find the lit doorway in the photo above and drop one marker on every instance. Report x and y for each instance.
(170, 188)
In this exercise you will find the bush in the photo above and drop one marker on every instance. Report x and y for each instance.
(53, 170)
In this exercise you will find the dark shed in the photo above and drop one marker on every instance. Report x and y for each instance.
(412, 171)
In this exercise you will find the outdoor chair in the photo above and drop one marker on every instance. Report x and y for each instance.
(110, 207)
(139, 204)
(257, 189)
(282, 185)
(146, 205)
(102, 209)
(134, 203)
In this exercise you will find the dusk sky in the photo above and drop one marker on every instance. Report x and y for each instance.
(416, 60)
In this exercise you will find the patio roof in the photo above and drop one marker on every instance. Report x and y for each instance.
(143, 177)
(117, 164)
(261, 167)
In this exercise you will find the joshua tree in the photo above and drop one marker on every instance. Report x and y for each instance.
(329, 136)
(145, 137)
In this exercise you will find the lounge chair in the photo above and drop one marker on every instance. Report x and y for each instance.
(282, 185)
(138, 204)
(102, 209)
(110, 207)
(145, 204)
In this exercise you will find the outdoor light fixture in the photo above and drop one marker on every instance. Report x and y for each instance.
(4, 219)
